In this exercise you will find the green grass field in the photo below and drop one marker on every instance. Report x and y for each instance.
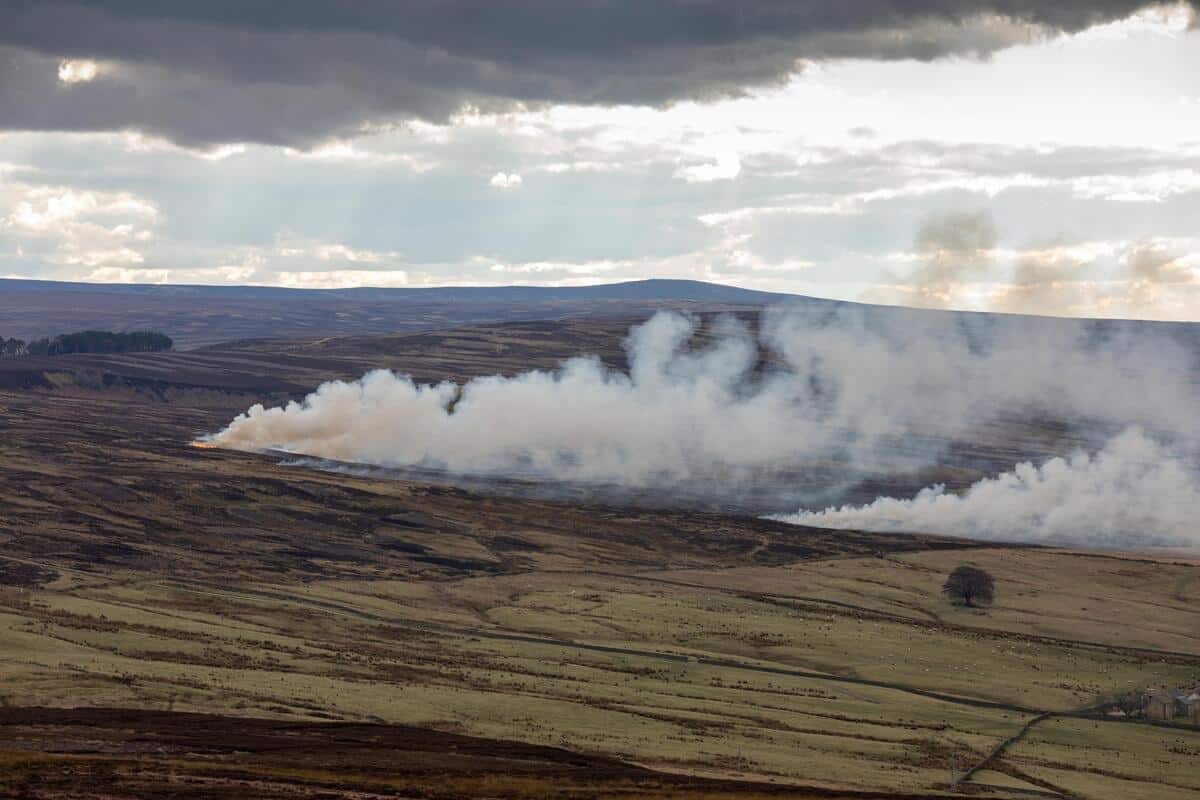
(673, 677)
(139, 572)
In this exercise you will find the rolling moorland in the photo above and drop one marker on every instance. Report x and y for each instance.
(187, 622)
(204, 315)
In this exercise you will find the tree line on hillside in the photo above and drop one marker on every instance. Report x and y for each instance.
(88, 342)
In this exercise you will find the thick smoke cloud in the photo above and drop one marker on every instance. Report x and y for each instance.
(1134, 492)
(584, 422)
(875, 391)
(298, 72)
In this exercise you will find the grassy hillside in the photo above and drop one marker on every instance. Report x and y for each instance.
(138, 572)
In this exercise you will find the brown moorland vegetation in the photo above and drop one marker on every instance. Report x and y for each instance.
(139, 573)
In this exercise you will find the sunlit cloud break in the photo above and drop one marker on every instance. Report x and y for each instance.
(77, 71)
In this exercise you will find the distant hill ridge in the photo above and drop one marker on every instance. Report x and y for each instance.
(654, 289)
(200, 315)
(197, 315)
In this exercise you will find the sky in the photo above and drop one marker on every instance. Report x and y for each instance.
(984, 154)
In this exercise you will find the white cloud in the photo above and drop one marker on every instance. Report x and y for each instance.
(368, 151)
(340, 252)
(341, 278)
(559, 167)
(95, 252)
(128, 275)
(77, 227)
(301, 263)
(545, 267)
(724, 167)
(1070, 142)
(44, 208)
(1150, 187)
(505, 180)
(230, 274)
(72, 71)
(1168, 19)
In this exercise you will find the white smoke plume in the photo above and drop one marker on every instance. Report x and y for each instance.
(875, 391)
(1135, 492)
(583, 422)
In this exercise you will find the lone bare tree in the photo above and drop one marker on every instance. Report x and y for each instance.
(969, 586)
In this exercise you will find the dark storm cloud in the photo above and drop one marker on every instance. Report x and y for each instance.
(297, 72)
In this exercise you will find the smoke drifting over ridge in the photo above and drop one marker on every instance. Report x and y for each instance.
(876, 391)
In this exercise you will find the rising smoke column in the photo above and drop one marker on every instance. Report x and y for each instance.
(1133, 492)
(876, 391)
(675, 413)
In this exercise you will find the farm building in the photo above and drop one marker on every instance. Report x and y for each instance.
(1170, 704)
(1160, 705)
(1191, 705)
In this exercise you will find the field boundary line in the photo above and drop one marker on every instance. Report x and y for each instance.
(677, 658)
(887, 615)
(1004, 745)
